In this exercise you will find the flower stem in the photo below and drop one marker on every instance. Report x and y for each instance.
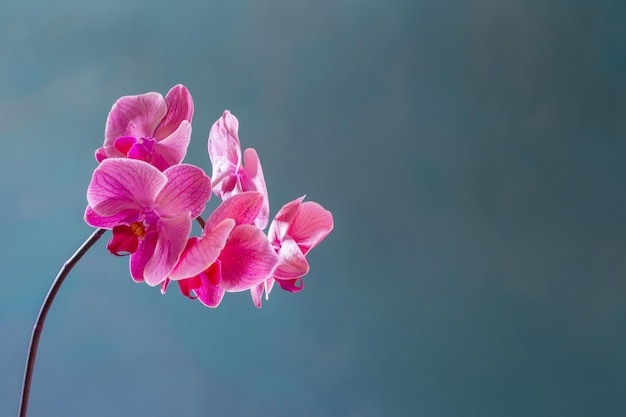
(41, 318)
(200, 221)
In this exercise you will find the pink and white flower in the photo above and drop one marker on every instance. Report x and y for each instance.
(297, 228)
(231, 175)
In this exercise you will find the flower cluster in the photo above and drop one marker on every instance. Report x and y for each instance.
(143, 192)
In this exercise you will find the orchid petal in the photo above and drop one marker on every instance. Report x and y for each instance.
(247, 259)
(188, 285)
(188, 189)
(141, 257)
(101, 153)
(224, 149)
(203, 252)
(140, 152)
(282, 220)
(243, 208)
(310, 226)
(227, 186)
(292, 262)
(124, 143)
(172, 150)
(108, 222)
(256, 293)
(123, 184)
(164, 286)
(179, 108)
(211, 296)
(208, 293)
(136, 116)
(252, 180)
(269, 284)
(172, 238)
(291, 285)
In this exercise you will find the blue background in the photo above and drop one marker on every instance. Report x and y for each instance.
(472, 154)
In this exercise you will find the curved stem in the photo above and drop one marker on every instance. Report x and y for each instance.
(41, 318)
(200, 221)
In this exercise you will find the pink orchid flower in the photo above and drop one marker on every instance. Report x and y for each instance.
(149, 128)
(297, 228)
(232, 255)
(149, 211)
(231, 176)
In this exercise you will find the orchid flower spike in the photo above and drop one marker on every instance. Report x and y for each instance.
(149, 128)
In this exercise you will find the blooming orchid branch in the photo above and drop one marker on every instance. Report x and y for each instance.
(144, 193)
(43, 313)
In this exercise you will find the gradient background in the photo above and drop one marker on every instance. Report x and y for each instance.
(472, 154)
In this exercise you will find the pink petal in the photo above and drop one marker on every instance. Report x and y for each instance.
(203, 252)
(257, 291)
(252, 180)
(209, 293)
(124, 184)
(136, 116)
(172, 150)
(247, 259)
(101, 154)
(188, 285)
(292, 262)
(291, 285)
(191, 242)
(108, 222)
(224, 148)
(280, 224)
(243, 208)
(269, 284)
(210, 296)
(141, 257)
(188, 189)
(140, 152)
(124, 144)
(179, 108)
(108, 151)
(226, 186)
(310, 226)
(164, 286)
(172, 238)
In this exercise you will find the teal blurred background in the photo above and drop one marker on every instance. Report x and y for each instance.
(472, 154)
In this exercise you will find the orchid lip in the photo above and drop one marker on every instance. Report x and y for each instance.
(136, 148)
(125, 240)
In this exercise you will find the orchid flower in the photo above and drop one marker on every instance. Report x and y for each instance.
(149, 128)
(297, 228)
(230, 176)
(232, 255)
(149, 211)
